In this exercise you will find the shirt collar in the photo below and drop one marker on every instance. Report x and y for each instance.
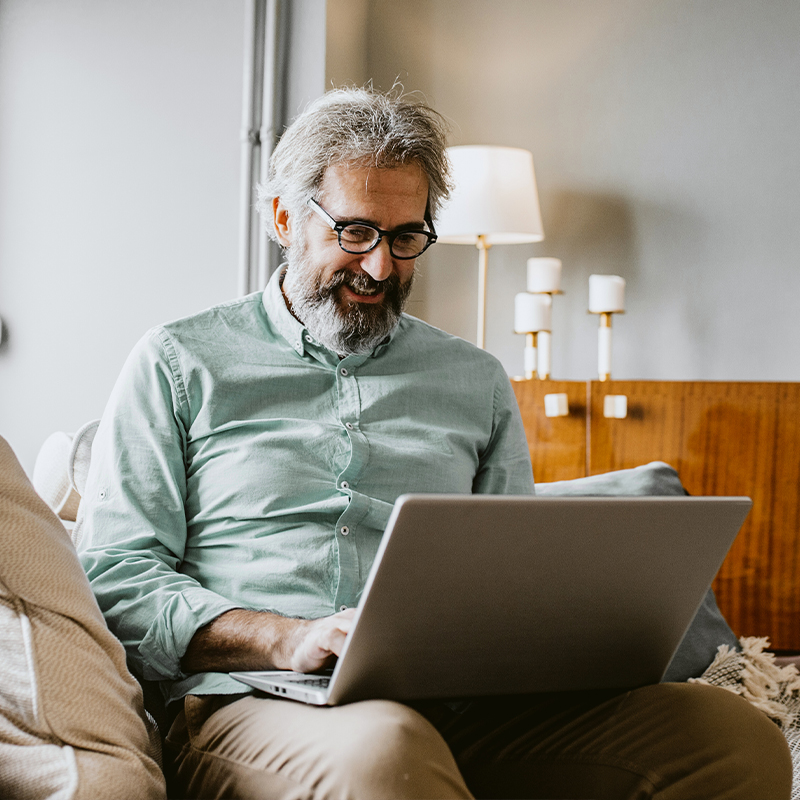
(289, 327)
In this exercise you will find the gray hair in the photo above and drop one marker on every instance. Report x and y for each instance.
(358, 127)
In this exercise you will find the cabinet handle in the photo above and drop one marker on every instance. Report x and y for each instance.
(615, 406)
(556, 405)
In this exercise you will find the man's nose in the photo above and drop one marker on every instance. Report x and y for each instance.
(378, 263)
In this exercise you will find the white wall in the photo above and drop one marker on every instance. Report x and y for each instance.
(120, 130)
(119, 180)
(664, 135)
(665, 141)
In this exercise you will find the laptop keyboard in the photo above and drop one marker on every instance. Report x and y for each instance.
(315, 681)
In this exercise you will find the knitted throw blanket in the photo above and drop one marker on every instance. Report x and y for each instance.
(775, 690)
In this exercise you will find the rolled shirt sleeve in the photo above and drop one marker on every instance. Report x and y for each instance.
(135, 521)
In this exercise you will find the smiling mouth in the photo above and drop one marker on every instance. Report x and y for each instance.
(364, 295)
(364, 292)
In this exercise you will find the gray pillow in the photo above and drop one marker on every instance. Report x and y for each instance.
(709, 628)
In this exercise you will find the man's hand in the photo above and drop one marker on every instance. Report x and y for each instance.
(319, 640)
(248, 640)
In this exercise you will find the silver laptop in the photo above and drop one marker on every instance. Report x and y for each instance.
(473, 595)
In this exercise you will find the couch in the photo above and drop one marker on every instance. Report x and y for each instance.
(710, 652)
(72, 721)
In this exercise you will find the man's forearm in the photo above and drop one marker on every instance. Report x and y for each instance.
(242, 639)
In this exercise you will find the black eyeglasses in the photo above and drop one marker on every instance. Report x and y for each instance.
(359, 237)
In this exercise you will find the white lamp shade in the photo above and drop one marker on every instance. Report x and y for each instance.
(495, 196)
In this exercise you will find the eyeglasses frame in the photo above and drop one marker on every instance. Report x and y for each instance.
(390, 236)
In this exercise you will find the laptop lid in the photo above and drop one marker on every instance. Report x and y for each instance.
(475, 595)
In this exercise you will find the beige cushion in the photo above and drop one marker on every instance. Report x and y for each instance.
(71, 716)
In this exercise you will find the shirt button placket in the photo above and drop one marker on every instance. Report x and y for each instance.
(348, 411)
(348, 407)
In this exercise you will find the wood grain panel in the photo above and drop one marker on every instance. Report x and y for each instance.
(557, 444)
(724, 439)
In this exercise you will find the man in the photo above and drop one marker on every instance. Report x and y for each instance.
(245, 469)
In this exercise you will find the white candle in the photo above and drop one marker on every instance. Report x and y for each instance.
(606, 293)
(544, 275)
(532, 312)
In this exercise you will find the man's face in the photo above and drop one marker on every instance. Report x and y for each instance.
(350, 302)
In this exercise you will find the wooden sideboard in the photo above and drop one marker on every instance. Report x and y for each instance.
(723, 439)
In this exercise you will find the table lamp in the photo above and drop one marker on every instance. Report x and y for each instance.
(494, 202)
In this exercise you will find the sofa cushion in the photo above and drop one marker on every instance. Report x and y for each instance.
(708, 629)
(71, 717)
(50, 476)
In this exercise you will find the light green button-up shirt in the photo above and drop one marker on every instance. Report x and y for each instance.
(239, 464)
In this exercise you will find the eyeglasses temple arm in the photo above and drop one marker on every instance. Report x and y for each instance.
(321, 212)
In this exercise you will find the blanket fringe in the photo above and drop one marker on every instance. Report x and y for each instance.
(753, 674)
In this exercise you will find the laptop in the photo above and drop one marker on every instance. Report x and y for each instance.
(475, 595)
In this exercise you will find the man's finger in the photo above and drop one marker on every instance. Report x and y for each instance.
(334, 637)
(345, 625)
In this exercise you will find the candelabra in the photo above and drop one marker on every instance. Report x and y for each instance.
(533, 317)
(606, 298)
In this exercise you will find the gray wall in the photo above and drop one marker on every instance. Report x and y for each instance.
(119, 186)
(664, 135)
(119, 181)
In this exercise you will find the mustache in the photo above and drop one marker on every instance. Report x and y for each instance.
(360, 281)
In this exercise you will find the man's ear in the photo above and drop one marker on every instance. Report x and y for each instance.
(282, 221)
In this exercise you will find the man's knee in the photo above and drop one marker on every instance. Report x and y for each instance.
(259, 747)
(726, 743)
(390, 750)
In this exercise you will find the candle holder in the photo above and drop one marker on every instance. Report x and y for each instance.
(532, 356)
(533, 317)
(606, 297)
(544, 352)
(544, 277)
(604, 344)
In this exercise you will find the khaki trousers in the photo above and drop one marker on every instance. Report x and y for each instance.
(669, 741)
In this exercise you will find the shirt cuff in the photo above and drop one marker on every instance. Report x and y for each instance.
(168, 637)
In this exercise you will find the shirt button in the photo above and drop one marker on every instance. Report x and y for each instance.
(349, 425)
(344, 485)
(343, 608)
(344, 530)
(309, 339)
(344, 371)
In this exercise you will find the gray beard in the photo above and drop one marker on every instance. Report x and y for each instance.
(345, 328)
